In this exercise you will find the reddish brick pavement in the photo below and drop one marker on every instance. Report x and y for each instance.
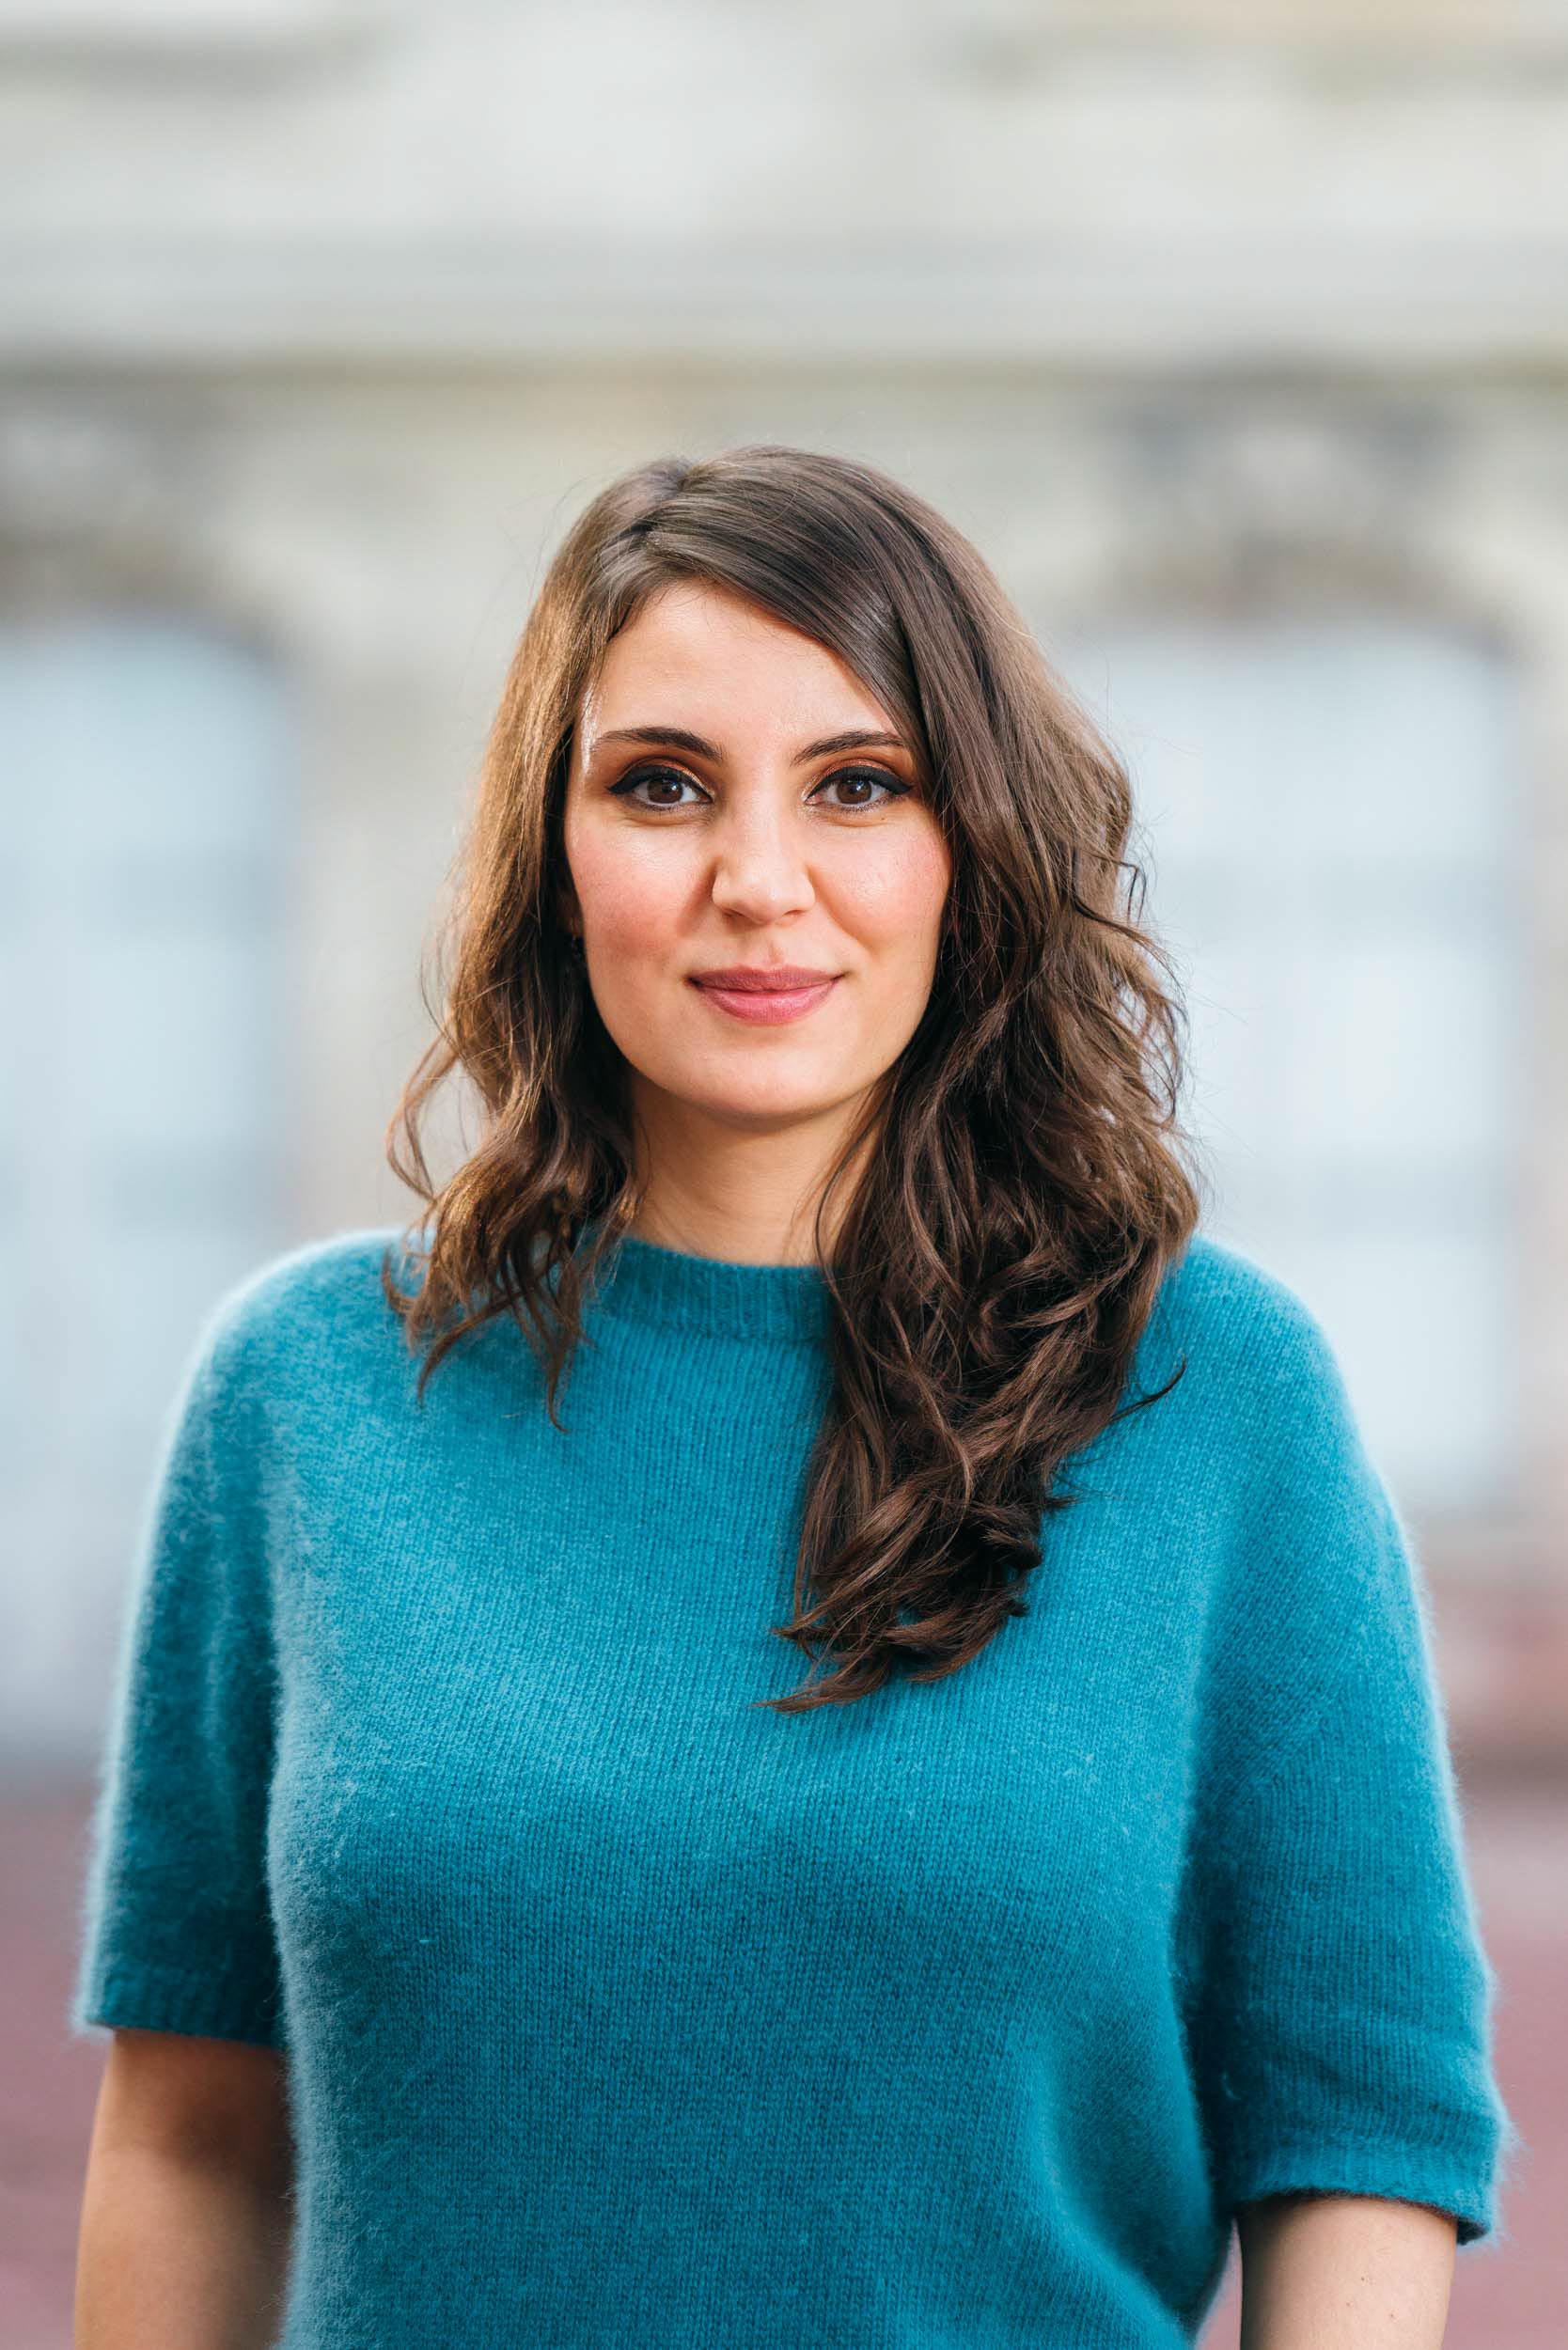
(1509, 2294)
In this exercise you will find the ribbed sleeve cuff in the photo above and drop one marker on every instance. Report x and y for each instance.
(160, 1998)
(1408, 2174)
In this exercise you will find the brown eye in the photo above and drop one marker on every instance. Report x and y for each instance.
(628, 784)
(857, 777)
(872, 787)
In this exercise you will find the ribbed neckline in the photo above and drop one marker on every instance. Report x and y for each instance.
(640, 1280)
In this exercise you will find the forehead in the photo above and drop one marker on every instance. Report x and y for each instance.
(699, 656)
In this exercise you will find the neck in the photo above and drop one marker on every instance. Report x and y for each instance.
(711, 1190)
(739, 1231)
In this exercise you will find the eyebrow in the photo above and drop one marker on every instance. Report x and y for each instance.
(853, 738)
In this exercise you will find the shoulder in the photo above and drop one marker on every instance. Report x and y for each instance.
(1258, 1358)
(1235, 1310)
(1319, 1541)
(303, 1314)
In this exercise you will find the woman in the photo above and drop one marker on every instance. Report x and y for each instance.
(480, 1885)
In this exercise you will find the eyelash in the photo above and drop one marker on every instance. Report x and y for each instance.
(895, 790)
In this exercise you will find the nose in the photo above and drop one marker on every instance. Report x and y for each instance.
(759, 871)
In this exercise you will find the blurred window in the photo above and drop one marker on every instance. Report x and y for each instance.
(1328, 816)
(149, 775)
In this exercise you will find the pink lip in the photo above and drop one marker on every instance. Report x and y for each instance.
(764, 997)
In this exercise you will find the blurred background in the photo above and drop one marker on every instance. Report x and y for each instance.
(1236, 338)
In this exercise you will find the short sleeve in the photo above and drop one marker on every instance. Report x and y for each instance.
(1339, 1997)
(176, 1930)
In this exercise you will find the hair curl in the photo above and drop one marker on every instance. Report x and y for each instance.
(1023, 1187)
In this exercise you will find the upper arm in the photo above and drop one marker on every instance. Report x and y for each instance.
(1369, 2270)
(1338, 1995)
(178, 1935)
(211, 2102)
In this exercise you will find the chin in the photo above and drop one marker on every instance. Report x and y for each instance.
(765, 1097)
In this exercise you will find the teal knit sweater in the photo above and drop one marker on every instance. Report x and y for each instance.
(621, 2010)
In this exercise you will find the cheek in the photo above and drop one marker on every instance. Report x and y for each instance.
(895, 900)
(632, 905)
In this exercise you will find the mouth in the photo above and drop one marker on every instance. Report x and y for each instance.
(764, 996)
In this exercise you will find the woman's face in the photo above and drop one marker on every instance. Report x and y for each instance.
(744, 836)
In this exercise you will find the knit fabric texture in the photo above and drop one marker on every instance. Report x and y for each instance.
(620, 2009)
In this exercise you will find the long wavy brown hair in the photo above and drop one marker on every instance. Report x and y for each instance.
(1025, 1183)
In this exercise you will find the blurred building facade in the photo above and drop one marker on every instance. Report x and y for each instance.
(1241, 350)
